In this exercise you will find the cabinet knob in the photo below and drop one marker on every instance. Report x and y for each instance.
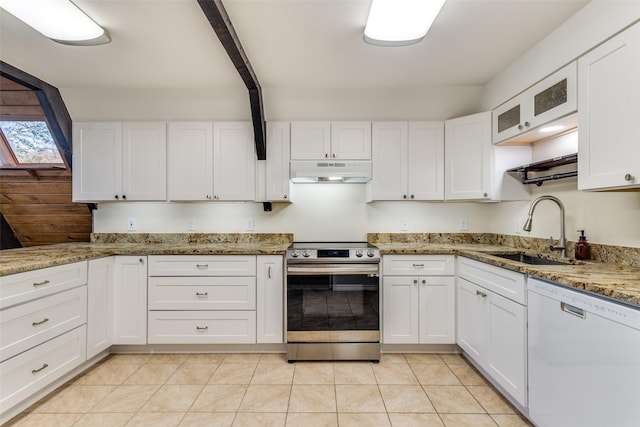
(412, 196)
(629, 177)
(486, 194)
(404, 196)
(124, 197)
(285, 196)
(527, 124)
(326, 155)
(141, 260)
(116, 197)
(334, 155)
(424, 282)
(415, 281)
(520, 127)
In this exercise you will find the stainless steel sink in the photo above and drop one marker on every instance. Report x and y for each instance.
(533, 260)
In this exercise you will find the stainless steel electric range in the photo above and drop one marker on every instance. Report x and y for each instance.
(333, 301)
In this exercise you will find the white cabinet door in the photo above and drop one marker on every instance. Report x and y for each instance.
(351, 140)
(437, 310)
(270, 297)
(278, 153)
(190, 170)
(310, 140)
(608, 111)
(389, 155)
(472, 334)
(144, 161)
(97, 161)
(234, 161)
(425, 162)
(400, 310)
(100, 305)
(469, 157)
(508, 118)
(130, 300)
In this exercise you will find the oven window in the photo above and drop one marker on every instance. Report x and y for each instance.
(332, 303)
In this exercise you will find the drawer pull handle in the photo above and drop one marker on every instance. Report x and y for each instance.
(45, 282)
(575, 311)
(45, 320)
(482, 294)
(202, 266)
(418, 265)
(35, 371)
(202, 294)
(269, 272)
(202, 328)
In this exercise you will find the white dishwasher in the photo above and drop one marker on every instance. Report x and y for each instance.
(584, 359)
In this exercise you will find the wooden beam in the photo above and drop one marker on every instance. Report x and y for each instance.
(219, 20)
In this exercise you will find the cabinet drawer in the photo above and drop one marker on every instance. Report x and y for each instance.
(192, 265)
(202, 293)
(418, 265)
(202, 327)
(27, 325)
(34, 369)
(509, 284)
(22, 287)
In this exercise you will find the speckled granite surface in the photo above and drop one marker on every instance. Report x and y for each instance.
(618, 277)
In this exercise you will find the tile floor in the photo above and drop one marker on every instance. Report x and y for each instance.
(264, 390)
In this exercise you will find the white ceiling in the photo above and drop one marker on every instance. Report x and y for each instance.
(290, 43)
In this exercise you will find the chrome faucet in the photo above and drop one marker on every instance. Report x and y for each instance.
(562, 243)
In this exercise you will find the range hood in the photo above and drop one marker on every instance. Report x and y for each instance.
(330, 171)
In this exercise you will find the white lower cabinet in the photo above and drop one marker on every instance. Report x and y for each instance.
(418, 302)
(100, 285)
(491, 328)
(270, 299)
(130, 300)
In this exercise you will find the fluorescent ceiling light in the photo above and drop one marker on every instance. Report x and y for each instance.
(59, 20)
(400, 22)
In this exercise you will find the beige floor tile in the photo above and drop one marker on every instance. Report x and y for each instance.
(126, 398)
(394, 374)
(271, 373)
(415, 420)
(193, 373)
(354, 373)
(219, 398)
(434, 374)
(152, 373)
(454, 359)
(359, 398)
(242, 358)
(312, 398)
(77, 398)
(168, 358)
(205, 358)
(247, 419)
(312, 419)
(467, 420)
(392, 358)
(511, 420)
(453, 400)
(173, 398)
(313, 373)
(491, 400)
(363, 420)
(109, 374)
(111, 419)
(47, 420)
(155, 419)
(130, 359)
(273, 358)
(468, 375)
(405, 398)
(266, 398)
(208, 420)
(233, 373)
(424, 358)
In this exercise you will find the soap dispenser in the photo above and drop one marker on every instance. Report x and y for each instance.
(583, 248)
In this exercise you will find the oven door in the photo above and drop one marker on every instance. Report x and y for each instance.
(333, 303)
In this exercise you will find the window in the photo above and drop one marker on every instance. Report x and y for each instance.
(28, 143)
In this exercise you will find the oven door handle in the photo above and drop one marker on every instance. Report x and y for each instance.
(305, 270)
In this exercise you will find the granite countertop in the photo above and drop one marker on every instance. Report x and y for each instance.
(607, 279)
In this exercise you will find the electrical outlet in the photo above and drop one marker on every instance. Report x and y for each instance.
(250, 224)
(463, 225)
(191, 224)
(131, 224)
(404, 224)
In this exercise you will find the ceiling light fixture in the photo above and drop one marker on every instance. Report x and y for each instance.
(400, 22)
(60, 20)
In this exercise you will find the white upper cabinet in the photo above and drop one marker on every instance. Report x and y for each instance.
(119, 161)
(331, 140)
(548, 100)
(277, 163)
(211, 161)
(475, 168)
(408, 161)
(609, 108)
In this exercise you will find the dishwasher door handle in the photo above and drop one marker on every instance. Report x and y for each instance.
(568, 308)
